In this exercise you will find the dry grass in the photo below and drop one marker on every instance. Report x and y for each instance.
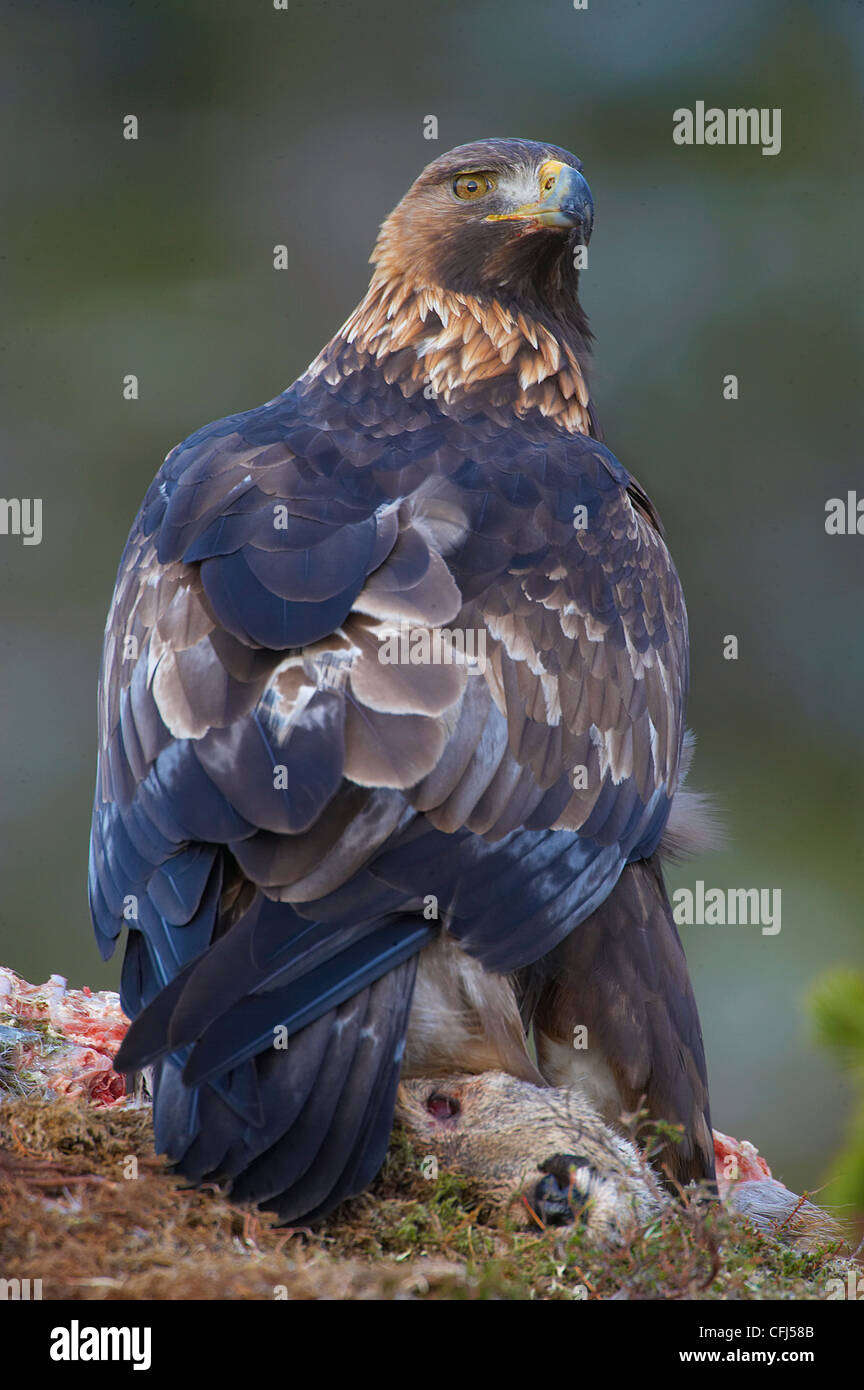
(87, 1208)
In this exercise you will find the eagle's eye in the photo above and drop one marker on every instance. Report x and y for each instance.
(468, 186)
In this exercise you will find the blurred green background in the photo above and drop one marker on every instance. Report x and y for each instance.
(304, 127)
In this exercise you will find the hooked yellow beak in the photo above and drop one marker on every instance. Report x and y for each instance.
(565, 201)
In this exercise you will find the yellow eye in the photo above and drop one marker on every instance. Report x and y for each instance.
(469, 186)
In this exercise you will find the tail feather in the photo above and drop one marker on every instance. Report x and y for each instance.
(287, 1086)
(339, 1142)
(302, 1126)
(332, 1147)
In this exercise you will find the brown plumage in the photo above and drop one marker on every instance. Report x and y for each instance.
(392, 718)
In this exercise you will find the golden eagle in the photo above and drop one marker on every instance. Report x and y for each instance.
(391, 719)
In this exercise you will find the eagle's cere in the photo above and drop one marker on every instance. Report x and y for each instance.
(335, 867)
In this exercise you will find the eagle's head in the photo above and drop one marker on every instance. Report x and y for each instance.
(474, 301)
(501, 220)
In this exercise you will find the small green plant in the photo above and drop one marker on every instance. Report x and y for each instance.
(836, 1005)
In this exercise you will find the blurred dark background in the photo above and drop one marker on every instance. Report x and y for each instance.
(304, 127)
